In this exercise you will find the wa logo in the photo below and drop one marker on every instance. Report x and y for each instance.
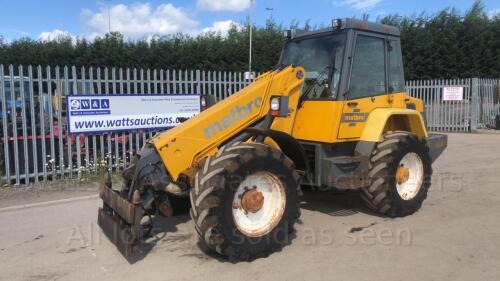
(89, 106)
(85, 104)
(75, 104)
(80, 104)
(105, 103)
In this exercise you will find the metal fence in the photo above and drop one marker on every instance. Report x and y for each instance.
(35, 145)
(486, 102)
(477, 109)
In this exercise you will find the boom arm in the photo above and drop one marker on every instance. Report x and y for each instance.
(185, 145)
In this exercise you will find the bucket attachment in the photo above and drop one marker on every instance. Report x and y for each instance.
(119, 219)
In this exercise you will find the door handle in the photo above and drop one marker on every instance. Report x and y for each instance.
(352, 103)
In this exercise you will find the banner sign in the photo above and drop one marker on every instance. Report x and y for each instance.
(106, 113)
(453, 93)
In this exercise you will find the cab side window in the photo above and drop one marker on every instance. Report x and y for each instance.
(396, 74)
(368, 68)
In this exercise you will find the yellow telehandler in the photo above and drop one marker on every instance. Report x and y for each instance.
(333, 113)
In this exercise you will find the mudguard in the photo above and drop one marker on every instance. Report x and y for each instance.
(407, 120)
(288, 145)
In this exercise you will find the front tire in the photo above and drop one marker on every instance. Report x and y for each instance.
(400, 175)
(245, 200)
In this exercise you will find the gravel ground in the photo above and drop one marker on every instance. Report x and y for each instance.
(14, 196)
(455, 236)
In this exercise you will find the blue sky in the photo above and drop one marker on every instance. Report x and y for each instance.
(141, 19)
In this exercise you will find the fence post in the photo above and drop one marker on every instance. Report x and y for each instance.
(475, 103)
(198, 82)
(5, 131)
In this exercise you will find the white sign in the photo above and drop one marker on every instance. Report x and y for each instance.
(453, 93)
(249, 75)
(97, 114)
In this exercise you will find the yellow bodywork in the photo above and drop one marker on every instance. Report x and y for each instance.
(315, 121)
(182, 147)
(325, 121)
(331, 121)
(382, 120)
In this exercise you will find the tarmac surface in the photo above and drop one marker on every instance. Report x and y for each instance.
(455, 236)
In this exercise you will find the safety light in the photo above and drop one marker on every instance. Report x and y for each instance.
(206, 101)
(337, 24)
(287, 34)
(203, 103)
(279, 106)
(275, 104)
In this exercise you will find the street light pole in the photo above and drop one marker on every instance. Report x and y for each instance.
(108, 8)
(270, 10)
(109, 19)
(250, 49)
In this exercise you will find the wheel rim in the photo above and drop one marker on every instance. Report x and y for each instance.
(258, 204)
(409, 176)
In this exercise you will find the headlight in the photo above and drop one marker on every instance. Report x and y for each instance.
(203, 102)
(275, 104)
(287, 34)
(337, 24)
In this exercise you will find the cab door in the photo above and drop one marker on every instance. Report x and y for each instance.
(367, 86)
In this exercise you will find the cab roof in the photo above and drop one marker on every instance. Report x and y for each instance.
(350, 23)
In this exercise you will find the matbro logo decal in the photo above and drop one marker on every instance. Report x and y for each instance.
(237, 113)
(354, 117)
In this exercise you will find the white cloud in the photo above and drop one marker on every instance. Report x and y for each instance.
(139, 20)
(223, 5)
(358, 4)
(23, 33)
(221, 27)
(54, 35)
(493, 13)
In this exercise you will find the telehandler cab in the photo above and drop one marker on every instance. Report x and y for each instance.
(333, 113)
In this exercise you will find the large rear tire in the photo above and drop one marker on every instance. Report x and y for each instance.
(400, 174)
(245, 200)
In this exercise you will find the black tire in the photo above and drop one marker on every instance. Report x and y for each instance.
(382, 195)
(215, 185)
